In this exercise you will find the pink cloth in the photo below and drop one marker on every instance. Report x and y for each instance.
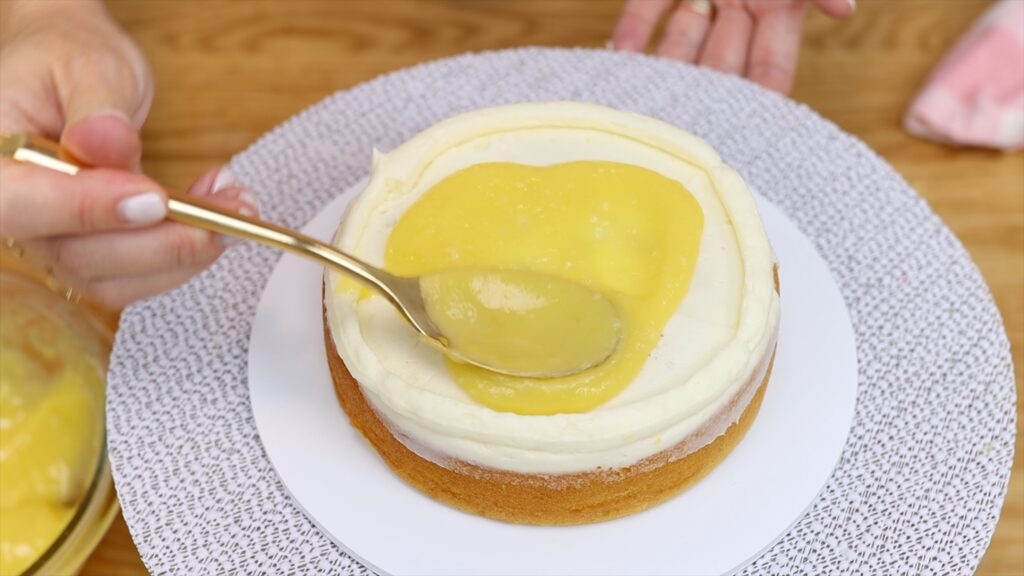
(975, 97)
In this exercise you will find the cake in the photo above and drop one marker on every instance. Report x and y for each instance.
(638, 209)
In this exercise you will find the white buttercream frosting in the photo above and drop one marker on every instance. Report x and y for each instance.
(716, 341)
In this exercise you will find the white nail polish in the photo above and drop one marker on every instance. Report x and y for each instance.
(224, 179)
(702, 7)
(853, 4)
(244, 211)
(145, 208)
(249, 198)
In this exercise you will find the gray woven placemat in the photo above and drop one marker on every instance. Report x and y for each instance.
(918, 488)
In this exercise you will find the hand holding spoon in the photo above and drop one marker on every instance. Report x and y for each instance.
(514, 322)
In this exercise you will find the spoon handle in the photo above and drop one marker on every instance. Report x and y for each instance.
(202, 214)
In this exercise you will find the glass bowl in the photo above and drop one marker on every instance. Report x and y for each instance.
(52, 346)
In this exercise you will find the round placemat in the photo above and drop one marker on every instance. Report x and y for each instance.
(920, 483)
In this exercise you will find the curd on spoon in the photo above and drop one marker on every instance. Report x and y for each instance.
(527, 323)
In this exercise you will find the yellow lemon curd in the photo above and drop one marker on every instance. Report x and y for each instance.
(624, 231)
(521, 322)
(51, 431)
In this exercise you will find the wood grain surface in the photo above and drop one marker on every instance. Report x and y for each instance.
(227, 72)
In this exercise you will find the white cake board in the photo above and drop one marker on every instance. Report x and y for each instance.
(722, 522)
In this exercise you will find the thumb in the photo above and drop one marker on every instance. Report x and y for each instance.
(104, 138)
(105, 102)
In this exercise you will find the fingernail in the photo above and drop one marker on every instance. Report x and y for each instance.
(702, 7)
(853, 4)
(249, 198)
(224, 179)
(245, 211)
(144, 208)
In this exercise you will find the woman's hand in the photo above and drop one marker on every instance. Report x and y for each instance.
(69, 73)
(759, 39)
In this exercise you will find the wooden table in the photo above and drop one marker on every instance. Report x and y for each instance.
(229, 71)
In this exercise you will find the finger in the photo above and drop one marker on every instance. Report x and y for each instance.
(222, 181)
(151, 250)
(116, 293)
(166, 246)
(105, 96)
(206, 183)
(36, 202)
(836, 8)
(729, 38)
(686, 30)
(637, 23)
(775, 48)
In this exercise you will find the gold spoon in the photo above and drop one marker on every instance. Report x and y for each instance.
(549, 327)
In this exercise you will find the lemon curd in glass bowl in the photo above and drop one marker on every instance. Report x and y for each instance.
(56, 492)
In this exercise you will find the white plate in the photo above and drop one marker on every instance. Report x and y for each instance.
(718, 525)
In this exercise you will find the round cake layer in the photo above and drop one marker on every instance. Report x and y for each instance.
(578, 498)
(723, 331)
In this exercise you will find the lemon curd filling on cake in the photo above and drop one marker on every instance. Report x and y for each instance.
(639, 210)
(621, 230)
